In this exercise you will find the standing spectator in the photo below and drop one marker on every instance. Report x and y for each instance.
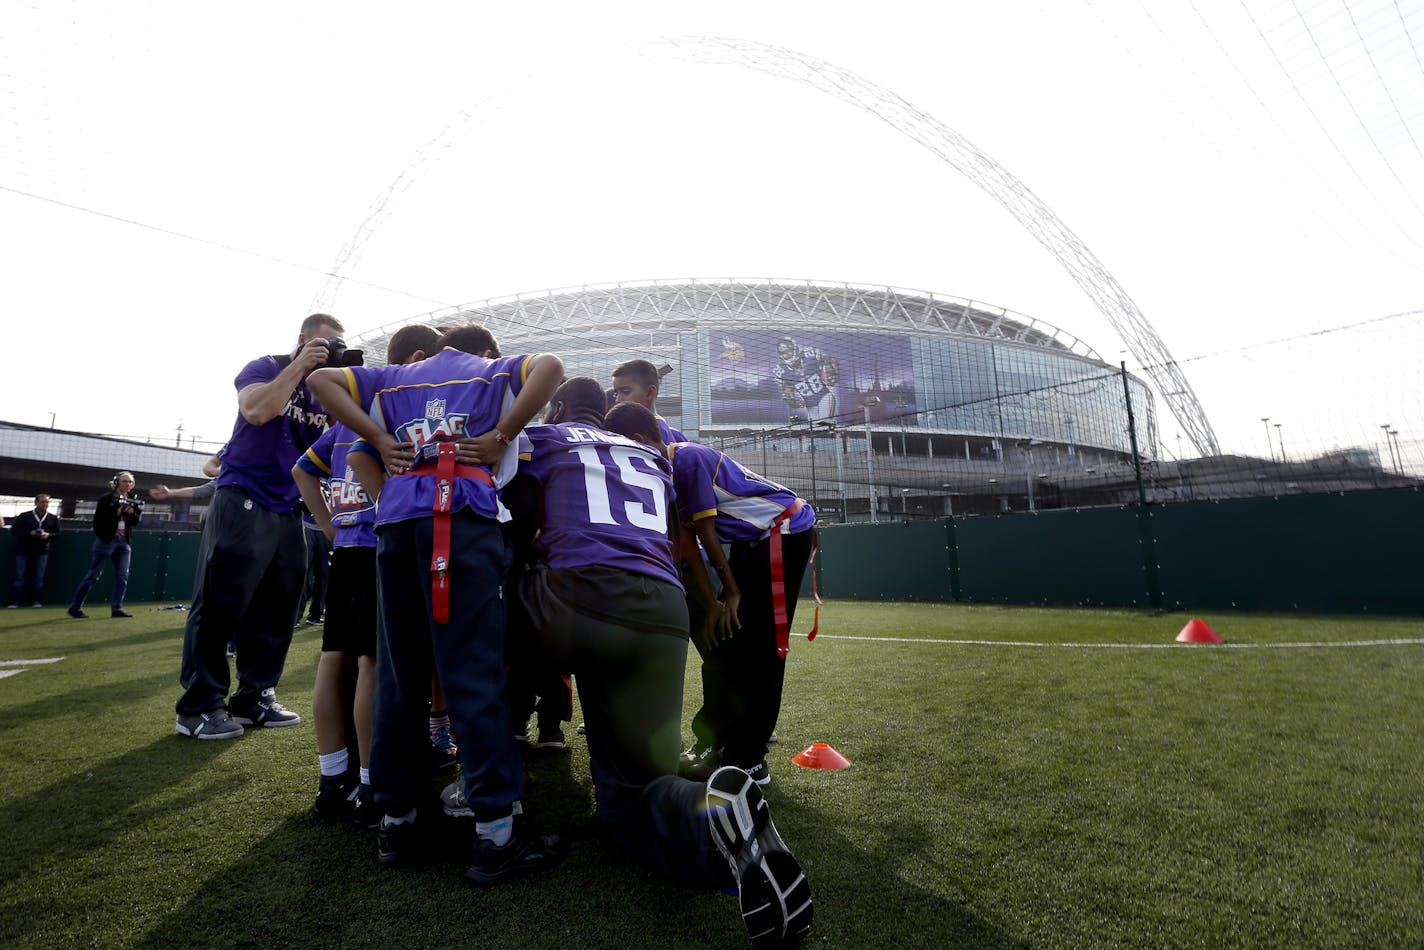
(115, 517)
(32, 531)
(249, 574)
(313, 600)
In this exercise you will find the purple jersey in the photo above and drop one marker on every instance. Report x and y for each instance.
(606, 500)
(446, 397)
(259, 459)
(352, 510)
(670, 435)
(709, 483)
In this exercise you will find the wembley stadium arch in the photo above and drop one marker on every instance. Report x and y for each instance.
(860, 398)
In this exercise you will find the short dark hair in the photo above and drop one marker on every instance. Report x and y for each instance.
(471, 338)
(407, 341)
(632, 420)
(316, 321)
(583, 400)
(642, 372)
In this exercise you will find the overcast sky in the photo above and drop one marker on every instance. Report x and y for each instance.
(176, 179)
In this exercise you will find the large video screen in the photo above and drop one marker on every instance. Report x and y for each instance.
(762, 377)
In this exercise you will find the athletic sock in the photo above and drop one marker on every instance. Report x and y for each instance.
(365, 775)
(439, 719)
(334, 763)
(498, 831)
(405, 819)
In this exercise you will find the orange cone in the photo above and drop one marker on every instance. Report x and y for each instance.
(819, 755)
(1197, 632)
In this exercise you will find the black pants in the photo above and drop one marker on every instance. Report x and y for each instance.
(624, 637)
(742, 677)
(468, 652)
(315, 583)
(250, 566)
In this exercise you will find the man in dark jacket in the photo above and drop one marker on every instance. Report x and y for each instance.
(32, 531)
(115, 516)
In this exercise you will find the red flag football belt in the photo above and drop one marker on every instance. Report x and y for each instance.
(446, 471)
(778, 583)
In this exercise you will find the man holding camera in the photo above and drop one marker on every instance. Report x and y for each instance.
(253, 558)
(115, 516)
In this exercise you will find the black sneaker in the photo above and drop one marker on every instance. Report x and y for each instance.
(78, 614)
(521, 731)
(399, 844)
(266, 712)
(121, 612)
(774, 893)
(551, 739)
(524, 853)
(364, 813)
(699, 762)
(336, 797)
(760, 773)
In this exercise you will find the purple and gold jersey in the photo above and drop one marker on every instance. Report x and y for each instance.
(259, 459)
(352, 511)
(606, 500)
(444, 398)
(711, 484)
(670, 435)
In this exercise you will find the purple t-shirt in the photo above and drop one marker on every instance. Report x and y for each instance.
(259, 459)
(441, 399)
(606, 500)
(352, 510)
(710, 483)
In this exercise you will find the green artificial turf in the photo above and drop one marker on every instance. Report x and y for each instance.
(1055, 787)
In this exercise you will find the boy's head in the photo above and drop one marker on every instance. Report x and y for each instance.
(580, 399)
(408, 342)
(636, 381)
(635, 422)
(472, 338)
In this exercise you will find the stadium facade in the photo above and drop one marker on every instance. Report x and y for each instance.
(962, 402)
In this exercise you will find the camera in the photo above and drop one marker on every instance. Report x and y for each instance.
(130, 504)
(338, 354)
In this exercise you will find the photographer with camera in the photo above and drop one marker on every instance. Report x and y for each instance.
(115, 516)
(253, 556)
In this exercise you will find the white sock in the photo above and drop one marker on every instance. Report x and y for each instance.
(334, 763)
(405, 819)
(365, 775)
(499, 831)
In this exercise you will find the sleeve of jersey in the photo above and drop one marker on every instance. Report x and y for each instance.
(317, 459)
(693, 467)
(260, 370)
(365, 448)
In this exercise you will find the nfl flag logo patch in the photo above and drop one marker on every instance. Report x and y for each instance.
(435, 409)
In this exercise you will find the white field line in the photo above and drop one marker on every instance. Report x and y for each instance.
(5, 673)
(1132, 646)
(48, 659)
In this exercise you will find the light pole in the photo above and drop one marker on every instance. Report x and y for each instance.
(870, 457)
(811, 431)
(840, 463)
(1389, 447)
(948, 500)
(1398, 452)
(1270, 449)
(905, 503)
(1282, 441)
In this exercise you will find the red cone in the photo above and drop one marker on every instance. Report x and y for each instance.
(1197, 632)
(818, 755)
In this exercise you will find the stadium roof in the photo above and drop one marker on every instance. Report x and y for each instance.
(684, 305)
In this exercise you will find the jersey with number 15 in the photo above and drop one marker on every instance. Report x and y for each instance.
(606, 500)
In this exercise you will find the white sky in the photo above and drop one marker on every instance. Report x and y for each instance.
(1247, 170)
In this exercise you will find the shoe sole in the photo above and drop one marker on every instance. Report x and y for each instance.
(200, 734)
(773, 891)
(561, 744)
(267, 723)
